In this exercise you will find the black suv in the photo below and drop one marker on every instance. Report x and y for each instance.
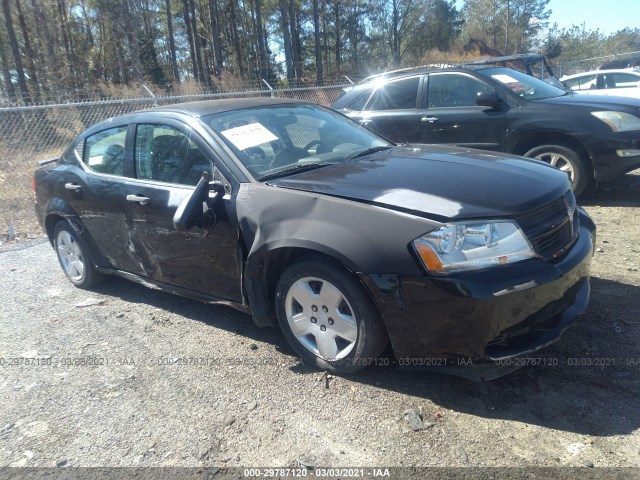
(502, 109)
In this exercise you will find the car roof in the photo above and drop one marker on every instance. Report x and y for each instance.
(525, 59)
(195, 109)
(407, 72)
(208, 107)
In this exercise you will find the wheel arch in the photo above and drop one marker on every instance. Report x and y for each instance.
(55, 215)
(50, 223)
(539, 138)
(262, 272)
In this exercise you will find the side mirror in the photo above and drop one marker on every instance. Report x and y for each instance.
(488, 99)
(190, 210)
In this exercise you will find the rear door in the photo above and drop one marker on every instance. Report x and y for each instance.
(451, 116)
(621, 83)
(96, 192)
(392, 111)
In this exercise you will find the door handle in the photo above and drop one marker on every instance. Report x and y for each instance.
(74, 187)
(428, 119)
(364, 123)
(138, 199)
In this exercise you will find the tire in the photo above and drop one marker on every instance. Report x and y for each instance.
(347, 334)
(73, 257)
(566, 160)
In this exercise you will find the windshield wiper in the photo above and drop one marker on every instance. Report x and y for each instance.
(369, 151)
(293, 169)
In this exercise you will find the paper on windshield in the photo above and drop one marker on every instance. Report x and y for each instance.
(247, 136)
(501, 77)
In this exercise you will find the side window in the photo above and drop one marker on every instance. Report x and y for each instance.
(397, 95)
(585, 82)
(358, 104)
(620, 80)
(451, 90)
(166, 154)
(104, 151)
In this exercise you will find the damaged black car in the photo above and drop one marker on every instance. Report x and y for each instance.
(459, 258)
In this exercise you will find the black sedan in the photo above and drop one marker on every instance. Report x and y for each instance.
(501, 109)
(290, 211)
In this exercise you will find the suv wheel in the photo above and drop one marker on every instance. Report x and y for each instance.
(566, 160)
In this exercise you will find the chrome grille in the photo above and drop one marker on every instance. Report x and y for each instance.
(550, 229)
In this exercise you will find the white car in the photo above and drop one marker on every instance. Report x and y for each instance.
(621, 82)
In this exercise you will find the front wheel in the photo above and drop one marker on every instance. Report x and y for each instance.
(73, 258)
(566, 160)
(328, 318)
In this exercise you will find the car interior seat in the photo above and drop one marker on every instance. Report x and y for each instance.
(168, 155)
(112, 160)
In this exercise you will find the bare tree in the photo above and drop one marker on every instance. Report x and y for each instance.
(316, 37)
(6, 73)
(15, 51)
(172, 42)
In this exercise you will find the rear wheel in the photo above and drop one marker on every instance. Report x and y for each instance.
(328, 318)
(73, 257)
(566, 160)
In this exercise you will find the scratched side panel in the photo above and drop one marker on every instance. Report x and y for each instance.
(203, 261)
(363, 237)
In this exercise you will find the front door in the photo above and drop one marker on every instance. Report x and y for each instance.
(169, 160)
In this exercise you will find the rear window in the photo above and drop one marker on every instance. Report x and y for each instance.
(358, 104)
(104, 151)
(396, 95)
(621, 80)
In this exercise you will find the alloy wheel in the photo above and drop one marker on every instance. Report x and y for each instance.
(559, 161)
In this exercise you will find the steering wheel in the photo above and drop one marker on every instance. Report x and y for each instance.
(256, 155)
(308, 146)
(282, 158)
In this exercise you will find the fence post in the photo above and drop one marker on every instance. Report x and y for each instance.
(268, 86)
(155, 99)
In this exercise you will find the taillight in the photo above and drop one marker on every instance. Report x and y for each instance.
(33, 184)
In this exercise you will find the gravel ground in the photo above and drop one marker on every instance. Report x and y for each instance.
(167, 381)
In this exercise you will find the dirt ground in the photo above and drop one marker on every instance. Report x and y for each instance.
(128, 376)
(17, 218)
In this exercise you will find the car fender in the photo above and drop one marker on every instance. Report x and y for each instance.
(364, 238)
(57, 207)
(526, 136)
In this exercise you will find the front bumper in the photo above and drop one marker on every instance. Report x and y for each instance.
(464, 323)
(603, 148)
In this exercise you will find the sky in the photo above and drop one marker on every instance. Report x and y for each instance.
(608, 16)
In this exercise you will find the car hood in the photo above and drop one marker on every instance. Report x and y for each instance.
(597, 102)
(437, 182)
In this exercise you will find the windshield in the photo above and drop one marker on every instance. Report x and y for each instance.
(523, 85)
(283, 139)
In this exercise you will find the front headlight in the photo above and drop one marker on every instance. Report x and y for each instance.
(619, 121)
(469, 246)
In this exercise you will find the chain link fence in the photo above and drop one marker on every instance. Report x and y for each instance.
(619, 60)
(31, 132)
